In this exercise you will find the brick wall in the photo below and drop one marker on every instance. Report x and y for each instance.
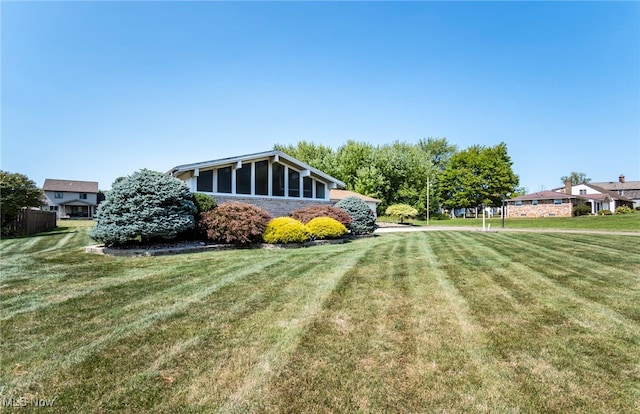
(545, 208)
(277, 207)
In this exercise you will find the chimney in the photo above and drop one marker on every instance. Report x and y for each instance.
(621, 178)
(567, 186)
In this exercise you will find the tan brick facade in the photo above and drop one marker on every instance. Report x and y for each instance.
(545, 208)
(277, 207)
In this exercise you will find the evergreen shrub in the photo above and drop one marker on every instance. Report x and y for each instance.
(145, 206)
(235, 223)
(581, 210)
(363, 221)
(286, 230)
(326, 228)
(306, 214)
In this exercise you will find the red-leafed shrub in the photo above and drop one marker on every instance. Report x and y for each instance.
(306, 214)
(235, 223)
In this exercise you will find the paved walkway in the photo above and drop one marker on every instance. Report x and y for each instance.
(405, 229)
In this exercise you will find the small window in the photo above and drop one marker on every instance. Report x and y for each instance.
(552, 215)
(518, 203)
(294, 183)
(277, 175)
(262, 177)
(583, 192)
(621, 192)
(224, 180)
(205, 181)
(307, 186)
(83, 196)
(243, 179)
(58, 195)
(53, 208)
(557, 201)
(319, 190)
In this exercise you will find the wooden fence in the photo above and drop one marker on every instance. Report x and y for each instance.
(33, 221)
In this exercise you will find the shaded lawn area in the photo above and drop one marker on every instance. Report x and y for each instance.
(416, 322)
(619, 222)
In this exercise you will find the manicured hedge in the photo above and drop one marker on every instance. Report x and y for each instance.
(325, 228)
(286, 230)
(235, 223)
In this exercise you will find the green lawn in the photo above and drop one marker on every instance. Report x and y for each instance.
(414, 322)
(620, 222)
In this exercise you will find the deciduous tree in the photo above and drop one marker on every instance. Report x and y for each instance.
(17, 191)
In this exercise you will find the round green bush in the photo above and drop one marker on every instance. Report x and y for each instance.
(363, 221)
(204, 202)
(235, 223)
(144, 206)
(581, 210)
(401, 211)
(306, 214)
(285, 230)
(604, 212)
(326, 228)
(623, 210)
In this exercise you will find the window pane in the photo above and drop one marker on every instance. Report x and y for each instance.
(294, 183)
(319, 189)
(205, 181)
(243, 179)
(278, 179)
(307, 184)
(224, 180)
(262, 178)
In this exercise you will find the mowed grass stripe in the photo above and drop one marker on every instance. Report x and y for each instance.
(536, 344)
(588, 273)
(243, 332)
(110, 314)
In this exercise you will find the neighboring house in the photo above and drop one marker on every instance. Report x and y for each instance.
(271, 180)
(597, 197)
(542, 204)
(628, 189)
(337, 195)
(71, 199)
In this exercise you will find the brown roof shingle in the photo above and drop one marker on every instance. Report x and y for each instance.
(70, 185)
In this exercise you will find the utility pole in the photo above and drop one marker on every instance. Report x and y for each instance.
(428, 200)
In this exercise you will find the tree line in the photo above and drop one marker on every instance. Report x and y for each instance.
(412, 173)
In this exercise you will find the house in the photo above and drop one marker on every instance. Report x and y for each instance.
(336, 195)
(597, 197)
(71, 199)
(542, 204)
(271, 180)
(623, 188)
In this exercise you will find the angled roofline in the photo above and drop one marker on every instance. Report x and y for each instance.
(246, 157)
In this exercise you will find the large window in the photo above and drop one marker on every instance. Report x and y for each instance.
(557, 201)
(224, 180)
(277, 174)
(83, 196)
(205, 181)
(262, 177)
(319, 189)
(58, 195)
(243, 179)
(294, 183)
(307, 187)
(534, 202)
(518, 203)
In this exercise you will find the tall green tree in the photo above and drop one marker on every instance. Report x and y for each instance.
(575, 178)
(17, 191)
(439, 151)
(318, 156)
(478, 176)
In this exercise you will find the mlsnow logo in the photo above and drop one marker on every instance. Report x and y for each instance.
(9, 400)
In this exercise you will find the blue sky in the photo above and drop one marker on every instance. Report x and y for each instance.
(98, 90)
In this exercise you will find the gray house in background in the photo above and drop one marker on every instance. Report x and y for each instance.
(71, 199)
(271, 180)
(622, 187)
